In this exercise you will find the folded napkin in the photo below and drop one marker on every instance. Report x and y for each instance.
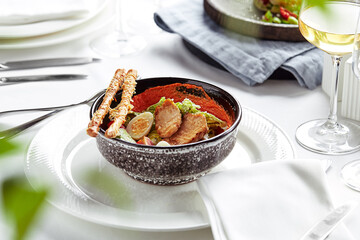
(14, 12)
(273, 200)
(250, 59)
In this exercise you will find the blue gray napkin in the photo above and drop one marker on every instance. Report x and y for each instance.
(251, 60)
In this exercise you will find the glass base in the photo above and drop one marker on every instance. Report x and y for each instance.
(350, 174)
(321, 137)
(115, 46)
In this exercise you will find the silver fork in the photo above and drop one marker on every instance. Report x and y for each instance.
(53, 108)
(12, 132)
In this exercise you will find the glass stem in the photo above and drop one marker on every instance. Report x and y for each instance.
(119, 28)
(332, 118)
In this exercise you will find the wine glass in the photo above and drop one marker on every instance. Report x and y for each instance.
(145, 23)
(118, 43)
(350, 173)
(330, 26)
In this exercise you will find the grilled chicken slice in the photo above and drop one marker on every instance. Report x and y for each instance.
(193, 128)
(167, 119)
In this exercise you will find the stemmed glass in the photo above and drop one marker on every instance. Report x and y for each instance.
(330, 25)
(351, 171)
(118, 43)
(145, 23)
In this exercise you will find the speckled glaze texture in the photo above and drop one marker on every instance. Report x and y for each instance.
(163, 165)
(175, 164)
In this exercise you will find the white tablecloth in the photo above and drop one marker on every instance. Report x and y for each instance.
(284, 102)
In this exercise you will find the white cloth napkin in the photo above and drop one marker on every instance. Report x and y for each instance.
(273, 200)
(14, 12)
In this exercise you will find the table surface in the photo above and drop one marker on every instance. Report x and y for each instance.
(283, 101)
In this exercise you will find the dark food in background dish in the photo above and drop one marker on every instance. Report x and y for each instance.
(279, 11)
(244, 18)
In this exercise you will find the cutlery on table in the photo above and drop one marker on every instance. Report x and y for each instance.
(324, 227)
(49, 62)
(18, 129)
(55, 107)
(38, 78)
(12, 132)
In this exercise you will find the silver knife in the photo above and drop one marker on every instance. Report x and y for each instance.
(35, 78)
(323, 228)
(49, 62)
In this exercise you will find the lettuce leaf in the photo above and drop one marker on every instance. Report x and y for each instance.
(153, 107)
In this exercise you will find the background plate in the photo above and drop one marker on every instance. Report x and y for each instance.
(85, 185)
(241, 16)
(46, 27)
(98, 22)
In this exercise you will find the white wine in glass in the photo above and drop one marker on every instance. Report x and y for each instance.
(350, 173)
(331, 28)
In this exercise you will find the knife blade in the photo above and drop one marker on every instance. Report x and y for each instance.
(324, 227)
(49, 62)
(35, 78)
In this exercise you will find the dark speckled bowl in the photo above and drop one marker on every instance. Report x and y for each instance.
(174, 164)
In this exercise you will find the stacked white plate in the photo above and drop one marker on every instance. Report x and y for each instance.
(50, 32)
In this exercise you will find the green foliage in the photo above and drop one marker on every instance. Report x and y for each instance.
(110, 188)
(319, 3)
(7, 147)
(21, 204)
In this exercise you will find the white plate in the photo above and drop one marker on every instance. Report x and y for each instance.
(85, 185)
(46, 27)
(98, 22)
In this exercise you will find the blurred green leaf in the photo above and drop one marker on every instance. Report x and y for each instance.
(21, 204)
(113, 191)
(318, 3)
(7, 147)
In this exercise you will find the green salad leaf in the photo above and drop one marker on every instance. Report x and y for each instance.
(153, 107)
(187, 106)
(124, 135)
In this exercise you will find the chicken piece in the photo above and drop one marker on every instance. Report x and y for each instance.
(167, 119)
(192, 129)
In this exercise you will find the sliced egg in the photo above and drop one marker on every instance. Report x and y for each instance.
(140, 125)
(163, 144)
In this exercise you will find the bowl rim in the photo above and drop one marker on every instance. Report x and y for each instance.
(176, 80)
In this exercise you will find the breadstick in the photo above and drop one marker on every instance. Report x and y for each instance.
(98, 117)
(118, 114)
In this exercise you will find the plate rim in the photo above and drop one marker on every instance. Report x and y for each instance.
(189, 226)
